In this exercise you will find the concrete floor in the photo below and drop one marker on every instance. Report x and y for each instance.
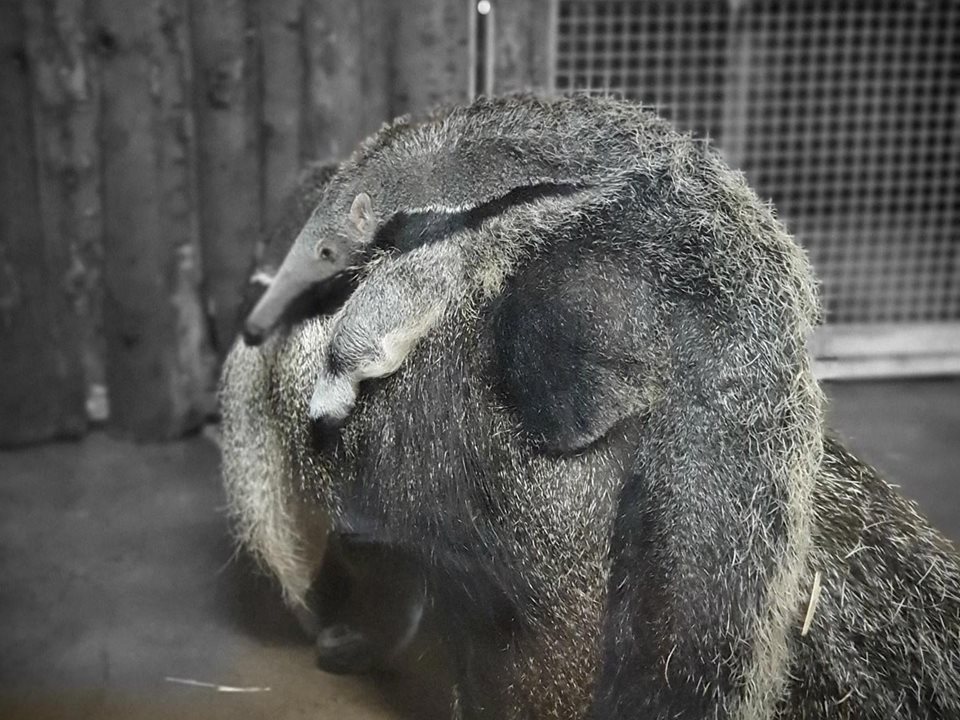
(910, 432)
(117, 573)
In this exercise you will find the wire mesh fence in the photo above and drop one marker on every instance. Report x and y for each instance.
(844, 113)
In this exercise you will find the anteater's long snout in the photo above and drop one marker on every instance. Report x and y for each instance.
(296, 275)
(301, 272)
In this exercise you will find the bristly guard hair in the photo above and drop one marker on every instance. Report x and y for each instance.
(600, 436)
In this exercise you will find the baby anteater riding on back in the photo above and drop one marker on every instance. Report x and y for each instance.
(572, 389)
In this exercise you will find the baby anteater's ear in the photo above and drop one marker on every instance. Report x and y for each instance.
(361, 214)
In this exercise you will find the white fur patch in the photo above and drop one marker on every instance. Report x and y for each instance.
(333, 397)
(261, 277)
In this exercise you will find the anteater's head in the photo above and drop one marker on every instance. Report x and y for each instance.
(415, 183)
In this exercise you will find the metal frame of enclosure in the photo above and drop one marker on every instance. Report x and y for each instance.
(148, 146)
(844, 113)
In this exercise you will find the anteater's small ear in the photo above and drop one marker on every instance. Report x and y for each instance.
(361, 213)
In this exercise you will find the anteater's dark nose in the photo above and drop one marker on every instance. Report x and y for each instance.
(253, 335)
(343, 650)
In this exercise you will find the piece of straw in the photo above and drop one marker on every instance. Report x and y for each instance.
(812, 604)
(214, 686)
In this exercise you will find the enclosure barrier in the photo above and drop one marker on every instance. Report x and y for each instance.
(147, 145)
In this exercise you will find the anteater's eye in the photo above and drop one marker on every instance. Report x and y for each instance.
(326, 254)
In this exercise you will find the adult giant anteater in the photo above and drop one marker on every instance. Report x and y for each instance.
(572, 389)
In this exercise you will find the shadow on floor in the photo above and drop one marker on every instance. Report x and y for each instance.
(119, 573)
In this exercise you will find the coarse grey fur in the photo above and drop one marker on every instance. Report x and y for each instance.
(395, 307)
(381, 322)
(658, 552)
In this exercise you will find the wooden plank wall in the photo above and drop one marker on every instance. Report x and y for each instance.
(226, 103)
(522, 44)
(41, 394)
(431, 40)
(147, 145)
(157, 349)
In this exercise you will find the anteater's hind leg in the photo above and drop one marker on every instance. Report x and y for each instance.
(368, 602)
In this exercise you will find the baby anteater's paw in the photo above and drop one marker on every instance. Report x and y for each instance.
(332, 401)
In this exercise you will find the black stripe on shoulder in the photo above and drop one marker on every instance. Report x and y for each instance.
(523, 195)
(408, 230)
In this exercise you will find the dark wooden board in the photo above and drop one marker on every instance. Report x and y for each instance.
(282, 68)
(42, 392)
(158, 359)
(66, 103)
(431, 54)
(226, 106)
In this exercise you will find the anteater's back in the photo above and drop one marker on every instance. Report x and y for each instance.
(885, 637)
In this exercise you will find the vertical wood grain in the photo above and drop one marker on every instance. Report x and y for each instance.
(282, 78)
(66, 101)
(348, 56)
(523, 33)
(226, 105)
(431, 54)
(42, 393)
(158, 367)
